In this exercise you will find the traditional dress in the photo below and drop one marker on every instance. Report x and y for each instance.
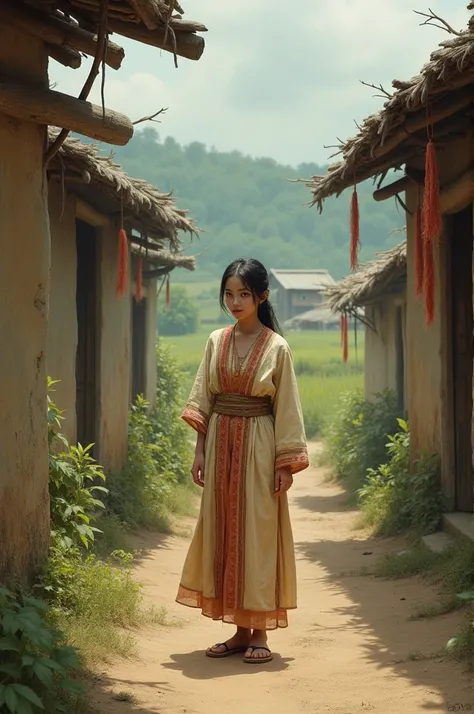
(240, 567)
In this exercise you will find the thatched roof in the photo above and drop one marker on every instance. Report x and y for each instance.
(158, 23)
(382, 276)
(397, 132)
(107, 188)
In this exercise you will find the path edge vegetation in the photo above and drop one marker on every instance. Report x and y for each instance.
(84, 605)
(367, 447)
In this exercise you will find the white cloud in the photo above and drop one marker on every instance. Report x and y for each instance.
(274, 80)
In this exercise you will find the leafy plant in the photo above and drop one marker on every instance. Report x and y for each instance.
(73, 476)
(159, 453)
(399, 496)
(358, 433)
(33, 661)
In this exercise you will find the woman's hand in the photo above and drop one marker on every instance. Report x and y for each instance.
(198, 468)
(283, 480)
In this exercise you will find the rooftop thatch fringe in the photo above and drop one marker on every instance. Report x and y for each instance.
(152, 212)
(164, 258)
(451, 67)
(372, 280)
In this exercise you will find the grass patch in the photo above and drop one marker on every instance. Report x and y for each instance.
(443, 607)
(405, 565)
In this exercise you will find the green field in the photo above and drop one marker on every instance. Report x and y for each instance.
(322, 375)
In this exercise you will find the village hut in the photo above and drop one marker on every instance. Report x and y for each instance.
(376, 296)
(425, 129)
(297, 291)
(100, 348)
(32, 32)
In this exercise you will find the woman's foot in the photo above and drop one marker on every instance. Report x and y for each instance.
(238, 643)
(258, 650)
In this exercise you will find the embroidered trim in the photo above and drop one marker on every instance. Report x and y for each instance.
(223, 352)
(296, 459)
(234, 581)
(221, 465)
(196, 418)
(250, 372)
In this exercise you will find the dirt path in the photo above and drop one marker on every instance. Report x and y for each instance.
(349, 647)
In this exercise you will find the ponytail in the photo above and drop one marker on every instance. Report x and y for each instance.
(267, 317)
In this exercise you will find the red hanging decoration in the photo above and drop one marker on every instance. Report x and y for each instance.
(429, 281)
(432, 226)
(168, 293)
(419, 252)
(139, 280)
(432, 220)
(344, 337)
(122, 265)
(355, 237)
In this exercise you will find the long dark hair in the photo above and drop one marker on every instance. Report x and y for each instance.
(255, 278)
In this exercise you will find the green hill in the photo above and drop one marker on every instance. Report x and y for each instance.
(246, 206)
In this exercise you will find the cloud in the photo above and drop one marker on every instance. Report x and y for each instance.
(276, 78)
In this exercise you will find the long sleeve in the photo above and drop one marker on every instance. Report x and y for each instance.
(200, 402)
(290, 439)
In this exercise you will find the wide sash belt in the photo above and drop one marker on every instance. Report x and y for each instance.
(241, 406)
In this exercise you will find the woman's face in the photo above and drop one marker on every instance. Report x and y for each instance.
(239, 299)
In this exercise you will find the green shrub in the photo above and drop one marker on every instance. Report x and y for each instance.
(73, 474)
(399, 496)
(159, 453)
(34, 663)
(137, 493)
(357, 436)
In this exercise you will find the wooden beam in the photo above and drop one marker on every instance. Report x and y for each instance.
(65, 56)
(187, 44)
(148, 12)
(70, 176)
(45, 106)
(392, 189)
(85, 212)
(55, 31)
(438, 111)
(459, 193)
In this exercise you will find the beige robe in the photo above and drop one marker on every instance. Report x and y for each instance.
(240, 566)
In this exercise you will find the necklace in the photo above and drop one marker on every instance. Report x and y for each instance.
(238, 361)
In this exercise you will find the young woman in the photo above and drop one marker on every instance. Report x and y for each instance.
(245, 406)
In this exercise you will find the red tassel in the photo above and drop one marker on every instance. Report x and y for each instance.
(429, 281)
(432, 226)
(345, 344)
(432, 221)
(139, 280)
(419, 252)
(168, 294)
(122, 266)
(355, 238)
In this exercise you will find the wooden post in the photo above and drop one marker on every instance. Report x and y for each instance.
(24, 291)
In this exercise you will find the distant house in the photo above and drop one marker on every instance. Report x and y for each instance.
(379, 288)
(297, 291)
(318, 318)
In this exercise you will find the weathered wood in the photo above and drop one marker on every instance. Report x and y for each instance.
(65, 56)
(24, 290)
(87, 213)
(70, 176)
(392, 189)
(55, 31)
(147, 11)
(45, 106)
(187, 44)
(459, 193)
(438, 111)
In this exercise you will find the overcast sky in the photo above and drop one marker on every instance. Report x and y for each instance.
(278, 78)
